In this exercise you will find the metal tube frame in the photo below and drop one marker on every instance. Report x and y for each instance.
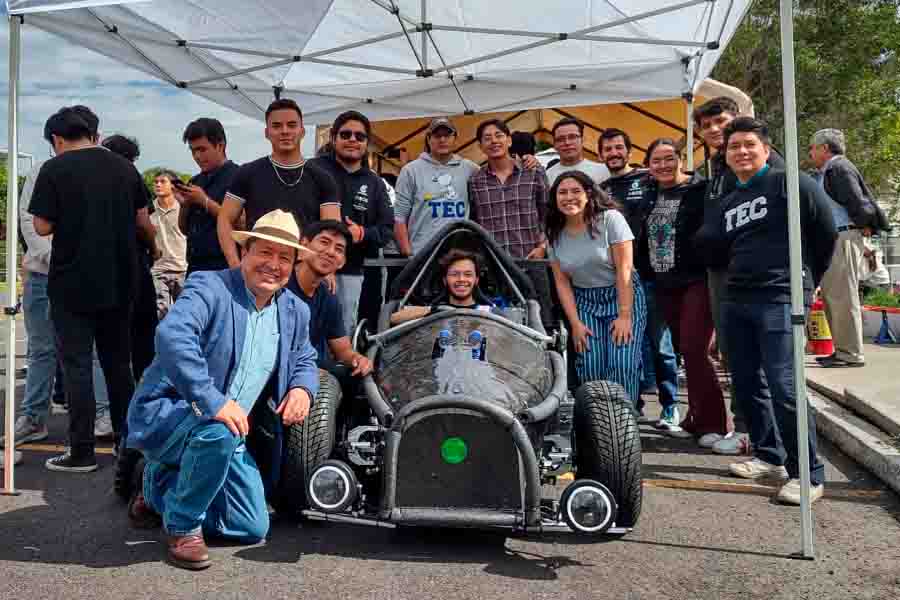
(796, 266)
(12, 213)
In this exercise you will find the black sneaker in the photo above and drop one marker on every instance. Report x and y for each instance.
(69, 464)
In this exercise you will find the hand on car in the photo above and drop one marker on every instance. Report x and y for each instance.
(234, 417)
(295, 406)
(621, 331)
(580, 334)
(362, 366)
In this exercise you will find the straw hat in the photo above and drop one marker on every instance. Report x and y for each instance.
(277, 226)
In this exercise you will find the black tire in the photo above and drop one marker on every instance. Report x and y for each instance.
(307, 445)
(608, 445)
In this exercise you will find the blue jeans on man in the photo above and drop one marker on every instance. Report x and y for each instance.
(657, 353)
(204, 480)
(760, 335)
(42, 354)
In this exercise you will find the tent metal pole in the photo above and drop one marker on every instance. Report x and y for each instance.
(424, 35)
(12, 238)
(689, 136)
(796, 265)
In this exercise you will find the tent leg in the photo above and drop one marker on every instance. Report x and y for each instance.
(689, 136)
(796, 267)
(12, 238)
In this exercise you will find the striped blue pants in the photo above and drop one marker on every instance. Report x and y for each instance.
(597, 309)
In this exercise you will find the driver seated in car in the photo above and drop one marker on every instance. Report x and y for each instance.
(328, 242)
(460, 269)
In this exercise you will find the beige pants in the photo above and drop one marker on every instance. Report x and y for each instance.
(840, 290)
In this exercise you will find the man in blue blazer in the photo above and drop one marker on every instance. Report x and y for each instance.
(231, 335)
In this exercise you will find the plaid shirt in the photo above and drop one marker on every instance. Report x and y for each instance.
(513, 212)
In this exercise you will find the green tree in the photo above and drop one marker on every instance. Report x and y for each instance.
(150, 176)
(848, 77)
(3, 180)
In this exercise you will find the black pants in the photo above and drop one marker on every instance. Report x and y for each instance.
(143, 322)
(76, 334)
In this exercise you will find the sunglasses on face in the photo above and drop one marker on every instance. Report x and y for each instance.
(346, 134)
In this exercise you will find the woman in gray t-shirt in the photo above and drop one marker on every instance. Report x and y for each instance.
(591, 256)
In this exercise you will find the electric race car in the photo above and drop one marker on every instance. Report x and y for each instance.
(466, 418)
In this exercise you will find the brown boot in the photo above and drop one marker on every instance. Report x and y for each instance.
(141, 515)
(188, 552)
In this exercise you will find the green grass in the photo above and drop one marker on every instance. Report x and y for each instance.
(881, 298)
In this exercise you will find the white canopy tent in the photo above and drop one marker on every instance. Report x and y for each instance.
(397, 59)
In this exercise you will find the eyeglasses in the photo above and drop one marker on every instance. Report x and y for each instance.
(346, 134)
(461, 274)
(572, 137)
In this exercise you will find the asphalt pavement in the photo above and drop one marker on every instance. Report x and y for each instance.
(701, 535)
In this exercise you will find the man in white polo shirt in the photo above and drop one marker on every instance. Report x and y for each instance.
(568, 139)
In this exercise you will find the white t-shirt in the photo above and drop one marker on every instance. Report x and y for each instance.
(587, 260)
(596, 171)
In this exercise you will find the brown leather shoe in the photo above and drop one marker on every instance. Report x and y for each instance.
(141, 515)
(188, 552)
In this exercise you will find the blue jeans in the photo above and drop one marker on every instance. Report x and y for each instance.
(349, 289)
(42, 354)
(760, 335)
(204, 480)
(657, 353)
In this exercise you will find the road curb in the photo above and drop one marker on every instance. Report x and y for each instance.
(862, 441)
(854, 401)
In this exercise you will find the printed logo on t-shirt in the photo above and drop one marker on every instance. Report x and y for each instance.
(743, 213)
(361, 199)
(446, 203)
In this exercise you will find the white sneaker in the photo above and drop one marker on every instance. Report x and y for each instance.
(756, 468)
(733, 444)
(790, 492)
(27, 431)
(710, 439)
(17, 459)
(103, 426)
(668, 423)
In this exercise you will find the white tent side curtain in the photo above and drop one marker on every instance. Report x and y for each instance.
(388, 60)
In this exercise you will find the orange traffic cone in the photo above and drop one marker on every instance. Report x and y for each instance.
(818, 333)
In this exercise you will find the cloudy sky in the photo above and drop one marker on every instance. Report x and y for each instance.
(55, 73)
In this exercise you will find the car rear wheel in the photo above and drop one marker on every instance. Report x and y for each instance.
(608, 445)
(307, 445)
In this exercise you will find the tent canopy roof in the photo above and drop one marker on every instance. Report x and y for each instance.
(396, 140)
(405, 58)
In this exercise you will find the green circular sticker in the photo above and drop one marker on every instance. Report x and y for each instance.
(454, 450)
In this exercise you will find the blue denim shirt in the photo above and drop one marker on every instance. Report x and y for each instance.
(258, 354)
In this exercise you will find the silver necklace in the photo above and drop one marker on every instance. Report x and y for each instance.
(278, 175)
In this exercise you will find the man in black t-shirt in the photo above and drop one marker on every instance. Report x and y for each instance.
(328, 241)
(202, 198)
(95, 205)
(282, 180)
